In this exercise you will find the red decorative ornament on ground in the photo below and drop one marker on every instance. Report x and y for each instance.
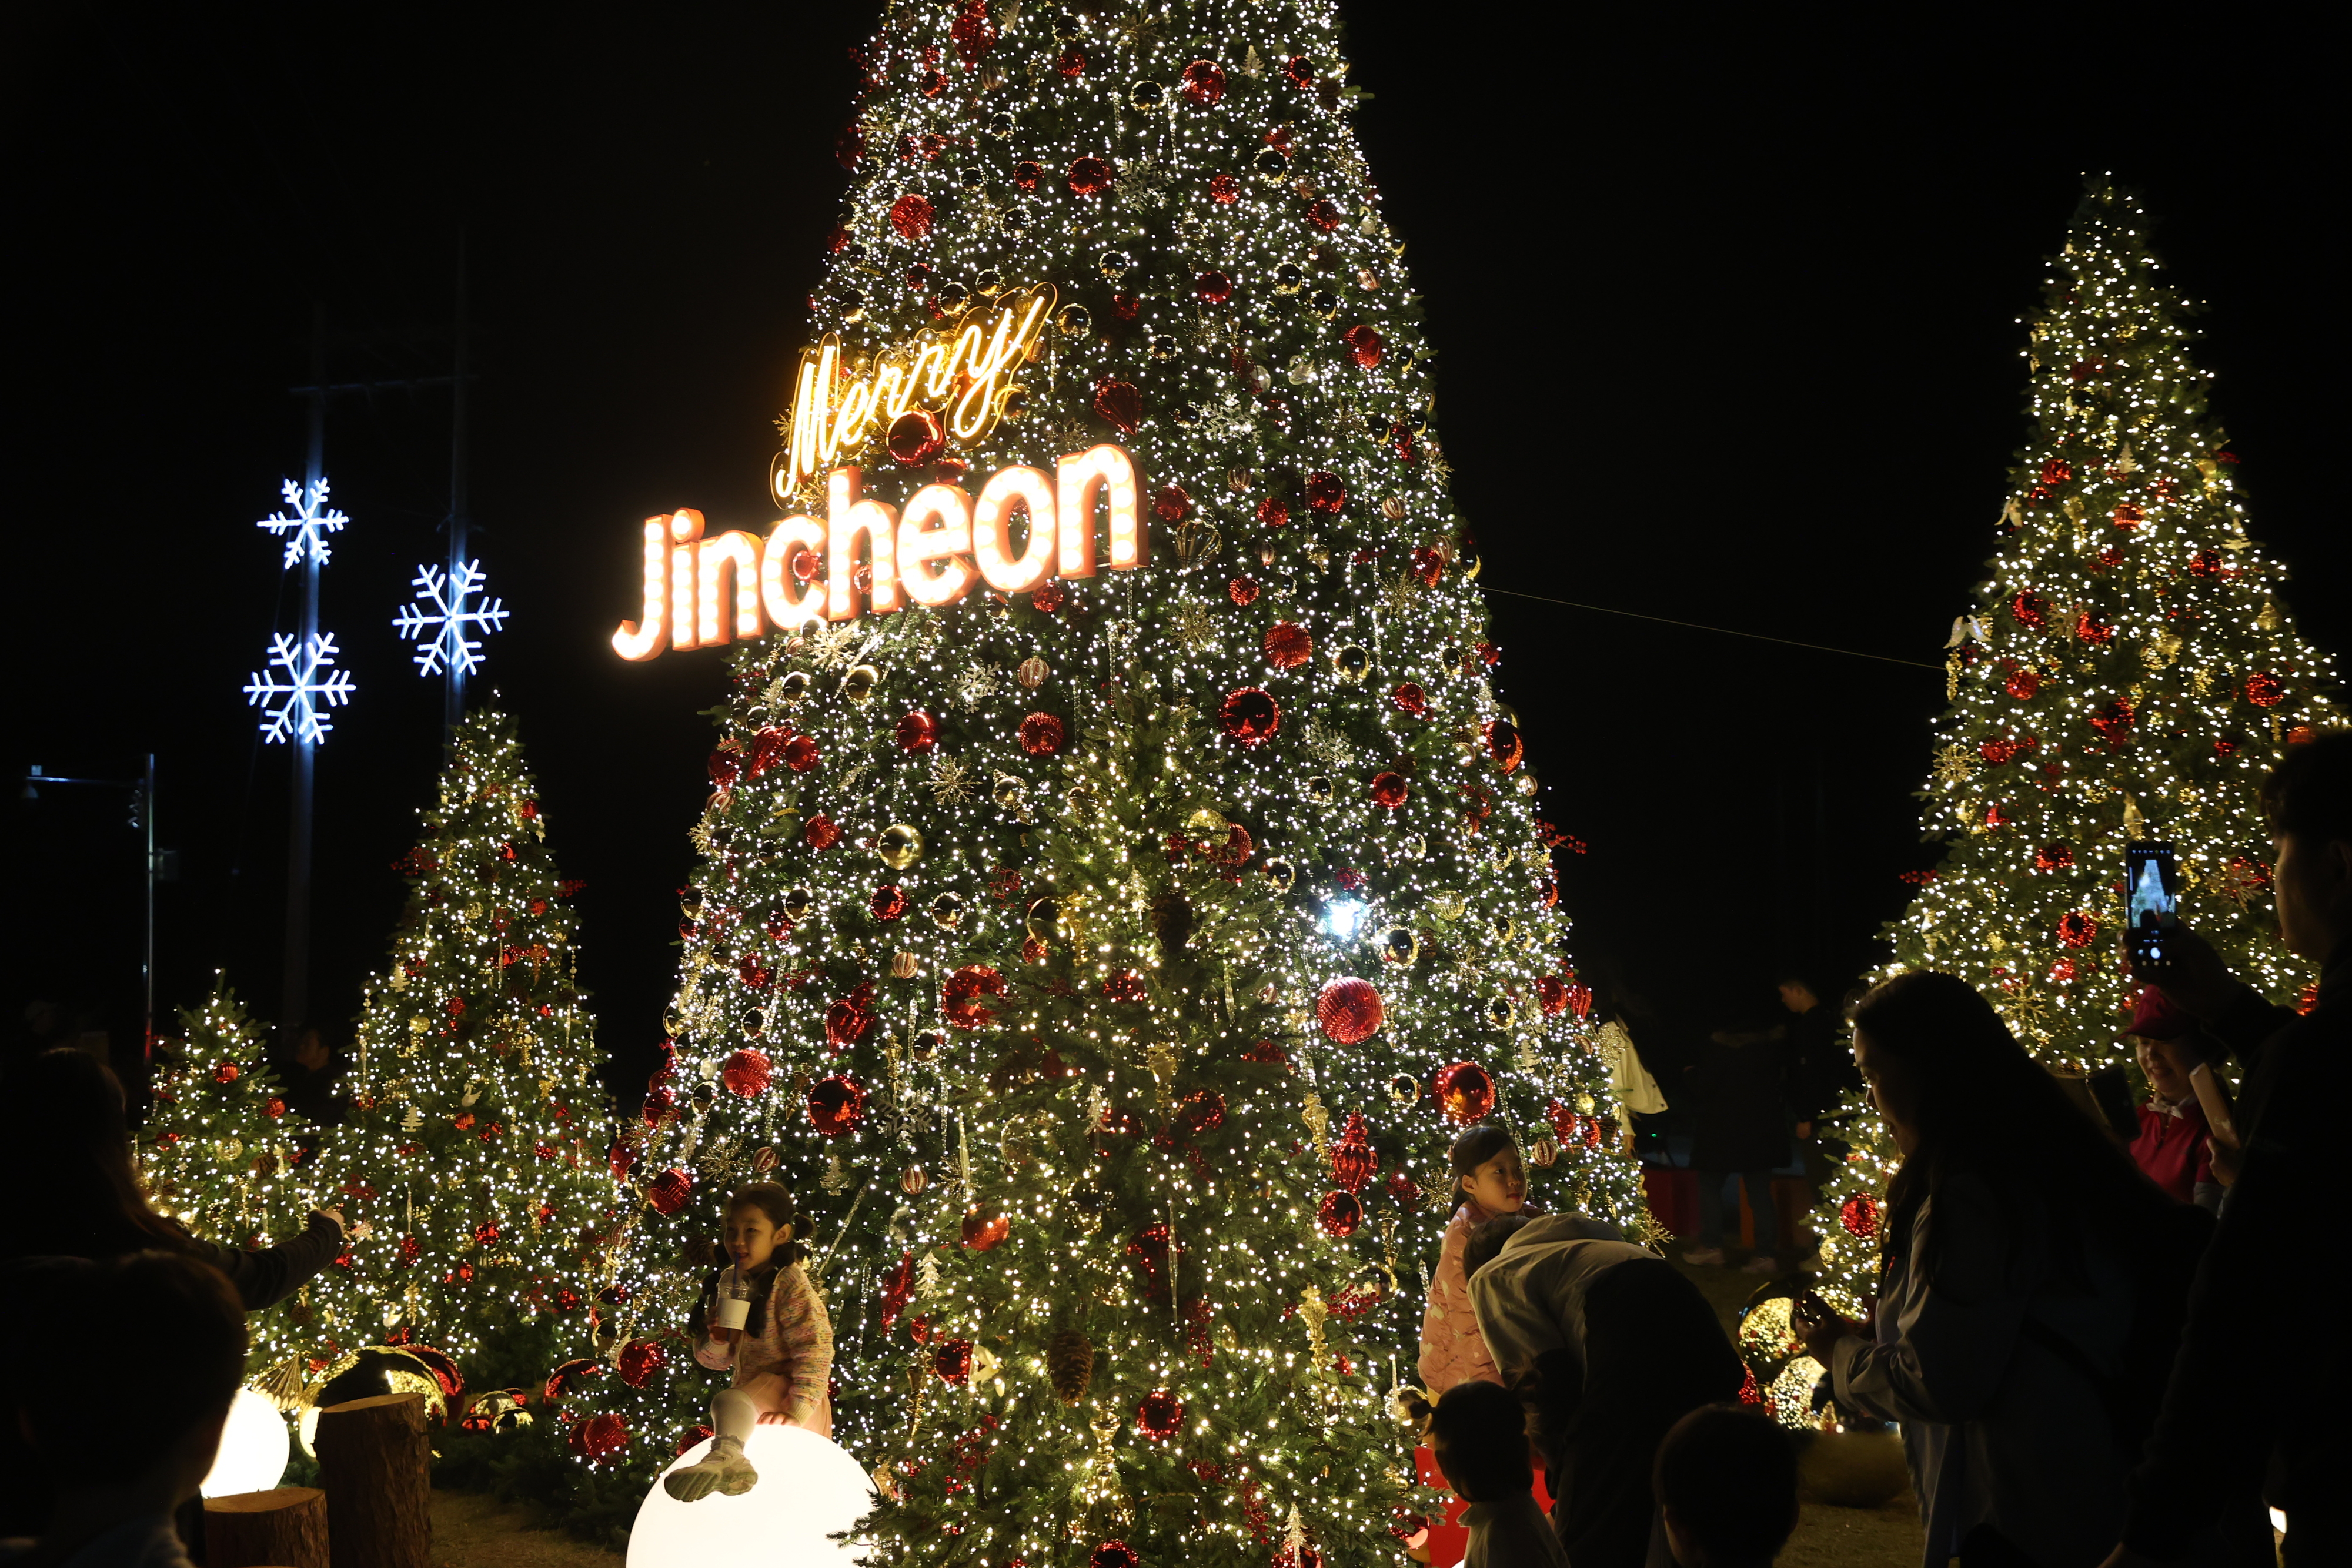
(837, 1104)
(600, 1436)
(746, 1073)
(1249, 716)
(1349, 1010)
(1465, 1092)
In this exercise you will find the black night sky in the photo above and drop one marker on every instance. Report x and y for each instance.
(1727, 333)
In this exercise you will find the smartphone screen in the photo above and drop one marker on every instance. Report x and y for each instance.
(2152, 884)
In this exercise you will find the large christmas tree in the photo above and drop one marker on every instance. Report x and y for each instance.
(1104, 935)
(470, 1150)
(2128, 671)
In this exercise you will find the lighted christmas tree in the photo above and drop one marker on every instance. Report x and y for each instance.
(2128, 671)
(219, 1147)
(472, 1147)
(1103, 930)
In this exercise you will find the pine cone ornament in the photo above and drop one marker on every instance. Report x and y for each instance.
(1070, 1363)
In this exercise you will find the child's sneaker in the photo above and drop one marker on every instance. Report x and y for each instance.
(724, 1470)
(1704, 1255)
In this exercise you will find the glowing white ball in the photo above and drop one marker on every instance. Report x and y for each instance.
(809, 1488)
(253, 1448)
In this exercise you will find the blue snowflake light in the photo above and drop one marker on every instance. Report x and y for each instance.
(441, 603)
(292, 707)
(306, 531)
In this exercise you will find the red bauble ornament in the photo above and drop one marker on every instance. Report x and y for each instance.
(1349, 1010)
(1859, 1215)
(837, 1104)
(2264, 690)
(960, 996)
(911, 216)
(1028, 173)
(2128, 516)
(1429, 564)
(1353, 1159)
(1390, 789)
(1090, 176)
(1203, 81)
(1114, 1554)
(1325, 215)
(2113, 721)
(1160, 1416)
(225, 1073)
(2053, 857)
(1340, 1214)
(952, 1360)
(918, 731)
(1579, 998)
(985, 1225)
(1125, 986)
(753, 973)
(1325, 492)
(1364, 345)
(2078, 928)
(1202, 1111)
(2023, 684)
(1224, 190)
(1215, 287)
(1505, 745)
(887, 903)
(847, 1021)
(669, 1192)
(724, 768)
(273, 1108)
(1047, 596)
(2029, 610)
(1288, 646)
(1172, 505)
(1551, 993)
(1465, 1092)
(802, 753)
(569, 1376)
(916, 438)
(1249, 716)
(600, 1436)
(1041, 734)
(1119, 404)
(1410, 697)
(746, 1073)
(641, 1360)
(1272, 513)
(1243, 590)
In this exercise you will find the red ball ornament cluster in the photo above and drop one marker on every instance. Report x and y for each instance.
(1349, 1010)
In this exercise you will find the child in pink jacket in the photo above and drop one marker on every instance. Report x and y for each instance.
(783, 1355)
(1486, 1166)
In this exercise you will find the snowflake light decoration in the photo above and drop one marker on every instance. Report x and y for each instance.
(306, 531)
(292, 707)
(441, 603)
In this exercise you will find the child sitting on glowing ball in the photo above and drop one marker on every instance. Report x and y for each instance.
(759, 1317)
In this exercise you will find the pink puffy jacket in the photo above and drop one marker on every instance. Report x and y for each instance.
(1451, 1349)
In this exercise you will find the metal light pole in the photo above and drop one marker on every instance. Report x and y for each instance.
(453, 706)
(295, 990)
(143, 817)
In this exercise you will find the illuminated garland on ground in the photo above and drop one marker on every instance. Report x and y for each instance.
(1050, 948)
(2128, 671)
(473, 1151)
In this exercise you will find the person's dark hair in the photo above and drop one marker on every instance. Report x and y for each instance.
(1727, 1473)
(1989, 1109)
(1475, 1147)
(66, 1141)
(1487, 1239)
(775, 1200)
(1478, 1433)
(1797, 977)
(118, 1302)
(2310, 793)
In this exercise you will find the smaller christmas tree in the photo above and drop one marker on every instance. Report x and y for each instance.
(465, 1167)
(220, 1148)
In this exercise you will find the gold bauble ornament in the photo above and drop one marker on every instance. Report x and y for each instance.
(1281, 874)
(858, 685)
(903, 966)
(1401, 945)
(1032, 672)
(1352, 662)
(913, 1180)
(947, 911)
(797, 903)
(900, 845)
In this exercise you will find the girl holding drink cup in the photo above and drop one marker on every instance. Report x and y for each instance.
(759, 1317)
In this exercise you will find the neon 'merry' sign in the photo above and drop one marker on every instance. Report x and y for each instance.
(703, 591)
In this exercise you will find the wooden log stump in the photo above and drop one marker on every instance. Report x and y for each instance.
(282, 1528)
(373, 1461)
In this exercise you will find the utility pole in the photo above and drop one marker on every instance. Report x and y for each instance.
(295, 991)
(453, 690)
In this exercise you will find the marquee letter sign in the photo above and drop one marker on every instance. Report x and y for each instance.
(701, 591)
(864, 555)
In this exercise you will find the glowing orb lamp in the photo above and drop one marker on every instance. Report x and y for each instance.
(809, 1488)
(253, 1448)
